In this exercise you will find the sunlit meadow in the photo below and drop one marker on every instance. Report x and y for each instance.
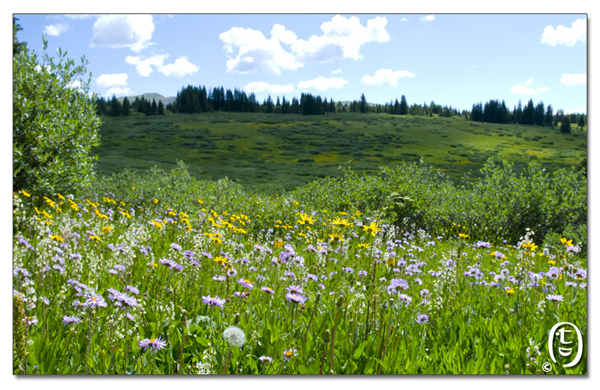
(167, 275)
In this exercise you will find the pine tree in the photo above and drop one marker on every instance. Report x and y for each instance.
(565, 126)
(403, 106)
(115, 107)
(363, 103)
(161, 108)
(126, 107)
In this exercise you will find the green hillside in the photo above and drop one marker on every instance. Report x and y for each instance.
(289, 150)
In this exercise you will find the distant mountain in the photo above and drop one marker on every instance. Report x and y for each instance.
(150, 96)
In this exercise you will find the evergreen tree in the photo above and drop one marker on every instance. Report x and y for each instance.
(154, 107)
(548, 118)
(161, 108)
(126, 107)
(403, 106)
(581, 122)
(115, 107)
(363, 104)
(565, 126)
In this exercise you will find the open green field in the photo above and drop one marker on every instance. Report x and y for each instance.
(285, 151)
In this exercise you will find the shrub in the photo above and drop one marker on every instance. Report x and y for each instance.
(54, 124)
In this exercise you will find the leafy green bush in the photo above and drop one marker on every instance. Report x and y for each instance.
(54, 124)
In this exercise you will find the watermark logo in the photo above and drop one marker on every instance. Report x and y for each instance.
(563, 333)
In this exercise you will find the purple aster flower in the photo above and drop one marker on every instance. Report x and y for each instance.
(207, 255)
(46, 301)
(216, 301)
(266, 359)
(111, 247)
(237, 294)
(246, 284)
(152, 344)
(132, 289)
(267, 289)
(176, 247)
(382, 279)
(131, 317)
(95, 300)
(113, 271)
(219, 278)
(290, 353)
(555, 298)
(581, 273)
(231, 272)
(552, 272)
(75, 256)
(422, 319)
(424, 292)
(31, 320)
(293, 289)
(58, 268)
(483, 244)
(70, 320)
(396, 285)
(405, 298)
(362, 273)
(295, 298)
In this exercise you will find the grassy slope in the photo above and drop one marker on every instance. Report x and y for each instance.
(289, 150)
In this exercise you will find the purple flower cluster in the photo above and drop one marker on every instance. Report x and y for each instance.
(216, 301)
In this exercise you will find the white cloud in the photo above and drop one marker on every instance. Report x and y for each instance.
(118, 92)
(562, 35)
(337, 71)
(260, 86)
(523, 90)
(404, 19)
(250, 51)
(322, 83)
(428, 18)
(571, 80)
(144, 66)
(117, 31)
(55, 30)
(256, 53)
(112, 80)
(575, 111)
(74, 84)
(386, 77)
(179, 68)
(341, 38)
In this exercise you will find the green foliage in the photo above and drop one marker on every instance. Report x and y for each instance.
(54, 124)
(501, 205)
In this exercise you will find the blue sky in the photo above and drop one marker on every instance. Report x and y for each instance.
(452, 59)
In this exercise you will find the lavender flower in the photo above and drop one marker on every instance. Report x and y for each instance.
(267, 289)
(70, 320)
(422, 319)
(290, 353)
(264, 359)
(216, 301)
(396, 285)
(152, 344)
(295, 298)
(555, 298)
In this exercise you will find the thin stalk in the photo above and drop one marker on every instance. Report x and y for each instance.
(387, 337)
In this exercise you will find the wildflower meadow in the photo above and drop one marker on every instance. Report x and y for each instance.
(164, 274)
